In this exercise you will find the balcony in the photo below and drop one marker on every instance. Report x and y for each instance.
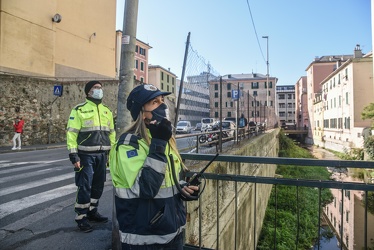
(216, 229)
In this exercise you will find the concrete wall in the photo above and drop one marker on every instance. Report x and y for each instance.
(81, 45)
(45, 115)
(250, 213)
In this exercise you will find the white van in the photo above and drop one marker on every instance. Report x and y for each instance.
(207, 124)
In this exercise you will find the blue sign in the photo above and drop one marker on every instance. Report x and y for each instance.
(57, 90)
(235, 94)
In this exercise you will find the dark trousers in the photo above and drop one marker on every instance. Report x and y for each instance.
(90, 182)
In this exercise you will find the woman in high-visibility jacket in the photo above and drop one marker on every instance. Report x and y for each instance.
(148, 200)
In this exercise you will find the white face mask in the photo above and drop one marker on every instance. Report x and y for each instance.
(97, 94)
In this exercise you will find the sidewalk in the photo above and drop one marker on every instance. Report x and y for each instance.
(8, 149)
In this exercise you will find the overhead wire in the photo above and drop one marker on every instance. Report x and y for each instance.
(254, 27)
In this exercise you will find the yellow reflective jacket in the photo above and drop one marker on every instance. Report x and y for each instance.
(90, 128)
(149, 207)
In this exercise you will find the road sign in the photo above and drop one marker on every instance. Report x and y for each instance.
(57, 90)
(235, 94)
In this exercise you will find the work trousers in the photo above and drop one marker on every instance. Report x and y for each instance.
(90, 182)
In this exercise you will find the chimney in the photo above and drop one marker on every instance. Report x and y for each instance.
(357, 52)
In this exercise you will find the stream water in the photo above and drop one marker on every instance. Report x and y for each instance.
(325, 243)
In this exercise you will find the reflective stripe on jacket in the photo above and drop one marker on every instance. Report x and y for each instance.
(90, 128)
(148, 204)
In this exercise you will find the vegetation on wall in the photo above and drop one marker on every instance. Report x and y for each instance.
(294, 209)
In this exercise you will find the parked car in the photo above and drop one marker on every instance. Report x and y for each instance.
(183, 127)
(226, 125)
(198, 126)
(233, 119)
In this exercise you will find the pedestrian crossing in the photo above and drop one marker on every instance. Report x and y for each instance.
(29, 191)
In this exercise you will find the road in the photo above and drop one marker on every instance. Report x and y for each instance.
(37, 194)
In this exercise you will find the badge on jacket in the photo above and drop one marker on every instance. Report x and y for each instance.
(132, 153)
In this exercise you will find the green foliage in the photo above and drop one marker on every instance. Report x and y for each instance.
(369, 146)
(368, 112)
(295, 209)
(370, 200)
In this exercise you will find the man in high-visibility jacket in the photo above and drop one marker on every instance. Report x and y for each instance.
(90, 135)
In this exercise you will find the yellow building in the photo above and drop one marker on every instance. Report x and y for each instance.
(60, 39)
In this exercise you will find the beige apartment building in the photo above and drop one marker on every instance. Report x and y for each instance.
(254, 96)
(317, 71)
(301, 103)
(345, 93)
(70, 39)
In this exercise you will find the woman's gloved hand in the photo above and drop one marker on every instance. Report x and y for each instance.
(161, 130)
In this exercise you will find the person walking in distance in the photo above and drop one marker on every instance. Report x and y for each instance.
(18, 130)
(90, 135)
(144, 166)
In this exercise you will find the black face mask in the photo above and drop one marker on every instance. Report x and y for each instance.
(160, 113)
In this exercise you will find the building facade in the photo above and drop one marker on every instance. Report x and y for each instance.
(286, 104)
(194, 101)
(345, 93)
(256, 98)
(301, 103)
(59, 39)
(317, 71)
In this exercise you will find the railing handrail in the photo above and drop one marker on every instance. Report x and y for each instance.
(281, 160)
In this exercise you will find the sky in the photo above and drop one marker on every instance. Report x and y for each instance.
(226, 35)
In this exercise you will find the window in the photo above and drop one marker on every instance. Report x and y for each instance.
(347, 216)
(271, 103)
(136, 64)
(215, 94)
(346, 98)
(228, 86)
(231, 104)
(254, 93)
(167, 87)
(172, 80)
(141, 79)
(216, 86)
(281, 96)
(340, 123)
(172, 89)
(134, 77)
(162, 75)
(167, 78)
(216, 114)
(136, 48)
(229, 94)
(270, 85)
(254, 85)
(142, 66)
(216, 104)
(228, 114)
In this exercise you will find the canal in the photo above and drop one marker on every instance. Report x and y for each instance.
(326, 242)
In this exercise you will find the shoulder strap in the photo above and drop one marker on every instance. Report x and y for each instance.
(128, 139)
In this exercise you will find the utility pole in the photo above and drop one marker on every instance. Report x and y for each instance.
(126, 73)
(267, 75)
(126, 84)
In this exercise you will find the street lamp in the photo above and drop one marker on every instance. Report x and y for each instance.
(267, 70)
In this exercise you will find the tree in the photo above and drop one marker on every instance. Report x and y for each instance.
(368, 112)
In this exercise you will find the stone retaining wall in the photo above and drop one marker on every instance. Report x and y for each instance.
(250, 214)
(45, 114)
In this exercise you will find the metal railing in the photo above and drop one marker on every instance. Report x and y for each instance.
(319, 184)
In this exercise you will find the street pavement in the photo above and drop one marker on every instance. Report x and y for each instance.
(37, 196)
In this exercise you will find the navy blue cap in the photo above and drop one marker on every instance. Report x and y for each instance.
(140, 95)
